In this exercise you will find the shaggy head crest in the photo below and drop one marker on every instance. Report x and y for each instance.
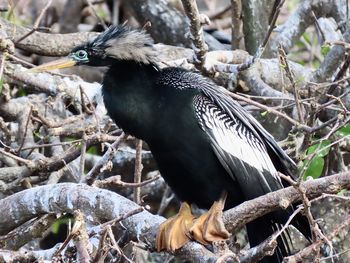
(123, 43)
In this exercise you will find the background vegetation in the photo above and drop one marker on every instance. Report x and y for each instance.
(287, 62)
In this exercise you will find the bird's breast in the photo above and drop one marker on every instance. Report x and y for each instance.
(130, 112)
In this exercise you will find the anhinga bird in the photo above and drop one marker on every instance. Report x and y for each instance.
(206, 145)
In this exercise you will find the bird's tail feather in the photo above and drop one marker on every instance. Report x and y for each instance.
(302, 224)
(263, 227)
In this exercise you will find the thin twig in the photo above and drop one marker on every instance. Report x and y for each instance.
(121, 218)
(319, 29)
(138, 171)
(285, 226)
(25, 129)
(36, 23)
(290, 75)
(83, 104)
(220, 13)
(197, 20)
(82, 158)
(340, 74)
(255, 254)
(115, 245)
(234, 68)
(269, 109)
(89, 178)
(341, 103)
(81, 238)
(298, 257)
(168, 195)
(51, 144)
(276, 13)
(330, 102)
(316, 231)
(236, 12)
(262, 46)
(116, 180)
(96, 15)
(2, 65)
(21, 61)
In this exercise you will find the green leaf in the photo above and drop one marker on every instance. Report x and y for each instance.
(315, 168)
(37, 135)
(283, 66)
(93, 150)
(344, 131)
(316, 63)
(69, 139)
(300, 44)
(55, 227)
(316, 165)
(317, 147)
(343, 192)
(307, 37)
(21, 93)
(325, 49)
(66, 219)
(264, 113)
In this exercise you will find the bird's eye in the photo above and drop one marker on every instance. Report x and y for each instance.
(81, 55)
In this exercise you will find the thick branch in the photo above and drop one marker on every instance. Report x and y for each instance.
(255, 15)
(102, 205)
(238, 216)
(191, 9)
(44, 43)
(332, 61)
(98, 204)
(297, 23)
(169, 26)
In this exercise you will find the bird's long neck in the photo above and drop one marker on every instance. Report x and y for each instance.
(128, 91)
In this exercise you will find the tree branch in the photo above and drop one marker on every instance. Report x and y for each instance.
(102, 205)
(246, 212)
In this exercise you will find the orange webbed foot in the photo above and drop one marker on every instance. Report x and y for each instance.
(174, 233)
(210, 227)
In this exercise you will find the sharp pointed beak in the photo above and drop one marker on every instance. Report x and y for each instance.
(57, 64)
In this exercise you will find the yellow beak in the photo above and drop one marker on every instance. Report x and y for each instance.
(57, 64)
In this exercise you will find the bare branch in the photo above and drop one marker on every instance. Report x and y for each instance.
(100, 205)
(197, 21)
(138, 171)
(237, 217)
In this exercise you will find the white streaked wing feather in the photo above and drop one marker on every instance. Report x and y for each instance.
(231, 136)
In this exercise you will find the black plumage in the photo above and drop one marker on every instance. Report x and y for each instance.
(203, 141)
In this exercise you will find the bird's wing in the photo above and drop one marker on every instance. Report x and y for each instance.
(240, 151)
(221, 98)
(184, 79)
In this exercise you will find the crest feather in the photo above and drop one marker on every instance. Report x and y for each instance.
(123, 43)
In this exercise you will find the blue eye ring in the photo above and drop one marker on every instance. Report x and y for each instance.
(81, 55)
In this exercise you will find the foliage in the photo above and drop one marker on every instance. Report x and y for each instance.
(317, 153)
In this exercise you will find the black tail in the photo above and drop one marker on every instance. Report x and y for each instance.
(262, 228)
(259, 230)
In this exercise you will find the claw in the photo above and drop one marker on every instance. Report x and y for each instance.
(209, 227)
(174, 233)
